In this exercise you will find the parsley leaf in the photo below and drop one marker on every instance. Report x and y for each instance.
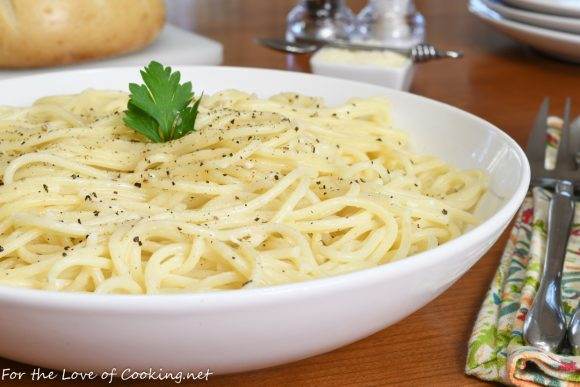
(160, 109)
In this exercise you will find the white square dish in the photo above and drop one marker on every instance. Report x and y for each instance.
(398, 75)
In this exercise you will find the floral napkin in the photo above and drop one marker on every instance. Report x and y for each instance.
(496, 349)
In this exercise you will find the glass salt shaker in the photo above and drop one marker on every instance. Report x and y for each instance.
(320, 20)
(394, 23)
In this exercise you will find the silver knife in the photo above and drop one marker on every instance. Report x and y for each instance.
(575, 140)
(574, 326)
(574, 332)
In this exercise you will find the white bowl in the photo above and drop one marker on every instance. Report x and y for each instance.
(399, 77)
(249, 329)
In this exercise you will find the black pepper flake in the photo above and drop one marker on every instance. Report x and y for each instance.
(45, 187)
(78, 221)
(256, 219)
(444, 211)
(136, 240)
(96, 213)
(1, 249)
(276, 177)
(64, 254)
(138, 185)
(88, 197)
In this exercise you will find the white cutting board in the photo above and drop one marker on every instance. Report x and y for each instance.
(174, 46)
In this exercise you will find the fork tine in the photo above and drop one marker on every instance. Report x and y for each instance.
(565, 159)
(536, 149)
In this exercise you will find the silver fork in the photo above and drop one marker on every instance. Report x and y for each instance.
(545, 324)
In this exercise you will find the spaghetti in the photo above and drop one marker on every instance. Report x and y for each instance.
(265, 192)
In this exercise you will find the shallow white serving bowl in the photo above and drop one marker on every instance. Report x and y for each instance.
(249, 329)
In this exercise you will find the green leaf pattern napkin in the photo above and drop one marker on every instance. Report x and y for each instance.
(496, 350)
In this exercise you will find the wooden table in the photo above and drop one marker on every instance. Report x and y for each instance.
(499, 80)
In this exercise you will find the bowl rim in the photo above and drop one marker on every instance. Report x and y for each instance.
(277, 293)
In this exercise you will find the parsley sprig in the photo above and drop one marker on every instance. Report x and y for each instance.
(160, 109)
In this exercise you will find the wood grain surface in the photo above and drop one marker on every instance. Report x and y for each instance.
(498, 80)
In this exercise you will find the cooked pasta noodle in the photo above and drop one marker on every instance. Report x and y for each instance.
(265, 192)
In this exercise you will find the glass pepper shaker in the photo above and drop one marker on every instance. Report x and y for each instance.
(394, 23)
(320, 20)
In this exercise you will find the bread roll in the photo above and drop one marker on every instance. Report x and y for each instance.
(36, 33)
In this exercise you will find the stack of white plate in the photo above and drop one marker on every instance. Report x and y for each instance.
(551, 26)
